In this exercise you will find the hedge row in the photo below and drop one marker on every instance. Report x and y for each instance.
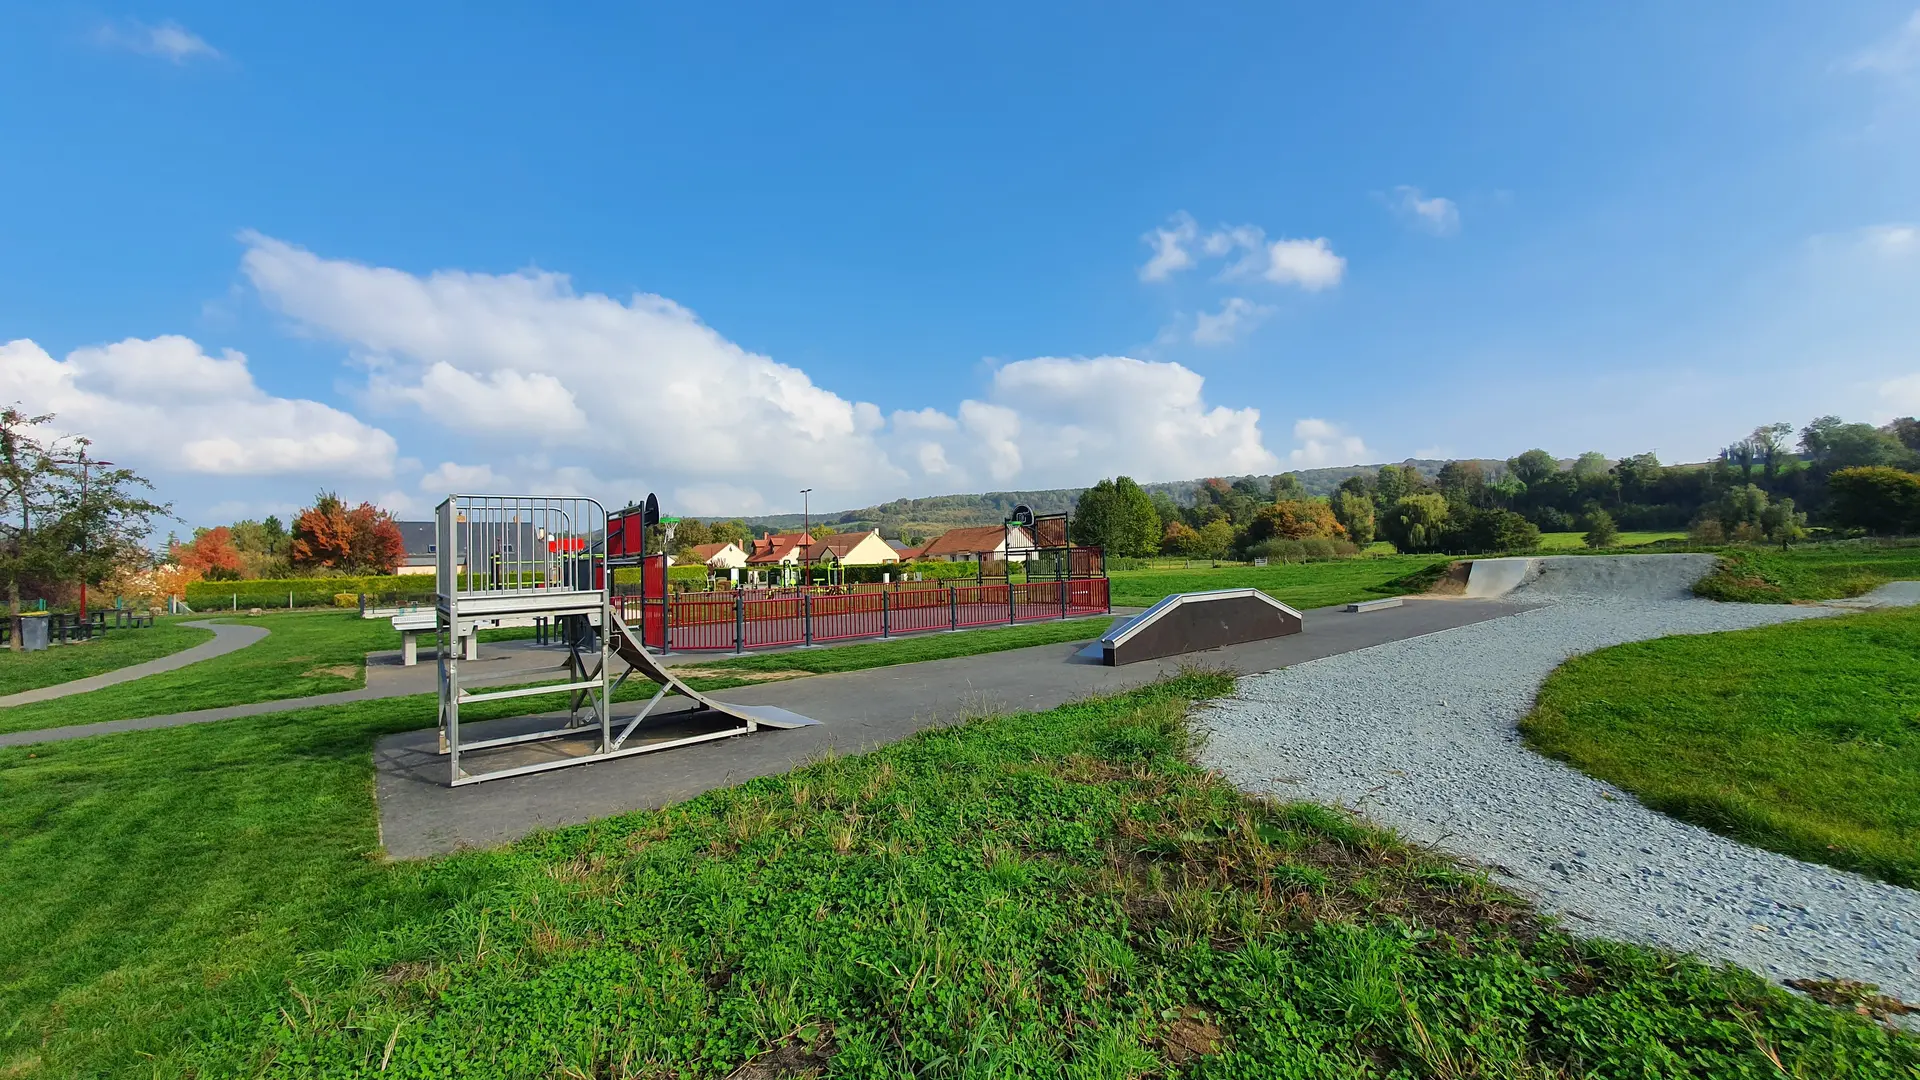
(306, 592)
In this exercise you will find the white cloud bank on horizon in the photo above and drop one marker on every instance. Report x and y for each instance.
(164, 405)
(581, 391)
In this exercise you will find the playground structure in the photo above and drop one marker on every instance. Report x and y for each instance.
(512, 560)
(1061, 582)
(1195, 621)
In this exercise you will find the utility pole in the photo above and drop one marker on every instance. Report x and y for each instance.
(85, 468)
(806, 536)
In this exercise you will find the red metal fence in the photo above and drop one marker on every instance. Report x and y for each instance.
(754, 619)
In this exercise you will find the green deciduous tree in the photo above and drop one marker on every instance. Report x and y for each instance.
(61, 517)
(1533, 466)
(1117, 517)
(1416, 522)
(1354, 511)
(1877, 498)
(1462, 482)
(1601, 531)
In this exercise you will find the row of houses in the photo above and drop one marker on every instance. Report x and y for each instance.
(768, 552)
(861, 549)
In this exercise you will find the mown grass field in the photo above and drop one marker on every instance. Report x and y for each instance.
(1057, 893)
(305, 652)
(1812, 572)
(111, 652)
(1803, 738)
(1577, 541)
(1303, 585)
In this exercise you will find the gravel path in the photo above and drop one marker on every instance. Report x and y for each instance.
(1420, 735)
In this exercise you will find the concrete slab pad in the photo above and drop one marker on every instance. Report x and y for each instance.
(859, 710)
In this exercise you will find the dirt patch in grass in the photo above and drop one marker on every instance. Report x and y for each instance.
(336, 671)
(1190, 1035)
(806, 1053)
(1863, 998)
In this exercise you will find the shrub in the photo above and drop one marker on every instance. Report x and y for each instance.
(1877, 498)
(1707, 532)
(1601, 531)
(1311, 549)
(346, 600)
(1483, 530)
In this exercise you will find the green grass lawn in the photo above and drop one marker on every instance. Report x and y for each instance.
(1303, 585)
(1057, 893)
(304, 652)
(1577, 541)
(1812, 572)
(117, 649)
(1803, 738)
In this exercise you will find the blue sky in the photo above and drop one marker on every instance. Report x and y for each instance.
(886, 250)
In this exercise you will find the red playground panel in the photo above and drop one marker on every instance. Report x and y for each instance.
(761, 618)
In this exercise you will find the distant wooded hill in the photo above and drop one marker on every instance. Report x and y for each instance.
(938, 513)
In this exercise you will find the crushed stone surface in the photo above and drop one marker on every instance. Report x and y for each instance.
(1421, 735)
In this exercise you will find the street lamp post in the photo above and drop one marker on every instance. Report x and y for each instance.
(806, 537)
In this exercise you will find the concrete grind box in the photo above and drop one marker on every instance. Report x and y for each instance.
(1195, 622)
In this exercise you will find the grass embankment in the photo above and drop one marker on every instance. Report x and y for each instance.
(1803, 738)
(304, 653)
(1823, 572)
(1057, 892)
(117, 649)
(1303, 585)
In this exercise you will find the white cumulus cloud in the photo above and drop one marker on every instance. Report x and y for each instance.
(1169, 243)
(1309, 264)
(164, 406)
(1436, 215)
(451, 478)
(1323, 443)
(582, 391)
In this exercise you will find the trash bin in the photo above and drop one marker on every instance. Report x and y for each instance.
(33, 631)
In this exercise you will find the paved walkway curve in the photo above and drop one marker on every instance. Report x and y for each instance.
(227, 637)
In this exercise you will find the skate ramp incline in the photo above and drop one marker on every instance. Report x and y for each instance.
(628, 647)
(1589, 577)
(1488, 578)
(1194, 622)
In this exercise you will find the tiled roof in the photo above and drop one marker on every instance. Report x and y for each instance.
(977, 540)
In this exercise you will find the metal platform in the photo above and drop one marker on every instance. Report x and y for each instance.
(507, 559)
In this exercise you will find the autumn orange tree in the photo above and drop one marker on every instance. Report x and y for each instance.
(359, 540)
(210, 555)
(1295, 519)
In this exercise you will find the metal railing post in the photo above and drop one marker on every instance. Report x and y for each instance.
(953, 607)
(739, 621)
(886, 624)
(806, 615)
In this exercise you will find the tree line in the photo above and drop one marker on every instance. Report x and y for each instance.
(1765, 487)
